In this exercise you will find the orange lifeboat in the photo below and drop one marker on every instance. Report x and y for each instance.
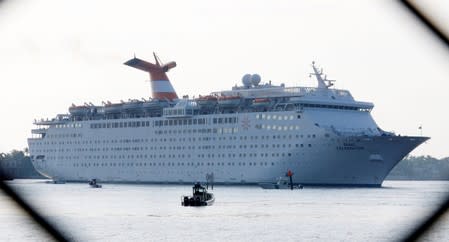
(113, 107)
(206, 101)
(261, 102)
(79, 110)
(229, 101)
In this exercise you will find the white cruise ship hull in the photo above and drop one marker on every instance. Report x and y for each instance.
(248, 149)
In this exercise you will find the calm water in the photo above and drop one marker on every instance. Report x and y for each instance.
(120, 212)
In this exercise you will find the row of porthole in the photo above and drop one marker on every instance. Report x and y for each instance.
(173, 164)
(179, 148)
(173, 139)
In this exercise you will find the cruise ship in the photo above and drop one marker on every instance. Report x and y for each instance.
(251, 134)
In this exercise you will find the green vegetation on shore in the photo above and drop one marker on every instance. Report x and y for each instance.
(421, 168)
(17, 164)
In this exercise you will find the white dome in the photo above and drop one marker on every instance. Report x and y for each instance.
(255, 79)
(246, 80)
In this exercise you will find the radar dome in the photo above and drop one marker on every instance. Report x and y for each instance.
(255, 79)
(246, 80)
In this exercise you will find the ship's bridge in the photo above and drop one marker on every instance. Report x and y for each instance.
(281, 91)
(321, 96)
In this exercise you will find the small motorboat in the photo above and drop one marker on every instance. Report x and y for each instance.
(281, 183)
(93, 183)
(55, 182)
(200, 197)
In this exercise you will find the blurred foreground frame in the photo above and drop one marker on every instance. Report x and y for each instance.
(52, 230)
(431, 25)
(58, 235)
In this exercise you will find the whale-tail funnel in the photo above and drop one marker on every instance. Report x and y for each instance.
(160, 84)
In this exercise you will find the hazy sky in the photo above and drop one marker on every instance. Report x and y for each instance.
(55, 53)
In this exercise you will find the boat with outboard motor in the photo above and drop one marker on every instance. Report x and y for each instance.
(281, 183)
(93, 184)
(200, 197)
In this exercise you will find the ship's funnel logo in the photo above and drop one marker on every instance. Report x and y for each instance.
(160, 84)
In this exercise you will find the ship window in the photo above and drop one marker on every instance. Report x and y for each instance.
(310, 145)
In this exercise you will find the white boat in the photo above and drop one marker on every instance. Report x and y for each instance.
(322, 134)
(282, 182)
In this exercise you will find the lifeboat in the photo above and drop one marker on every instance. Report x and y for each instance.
(79, 110)
(206, 101)
(113, 107)
(261, 102)
(229, 101)
(133, 106)
(154, 105)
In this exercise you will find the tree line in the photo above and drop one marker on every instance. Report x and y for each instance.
(17, 164)
(421, 168)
